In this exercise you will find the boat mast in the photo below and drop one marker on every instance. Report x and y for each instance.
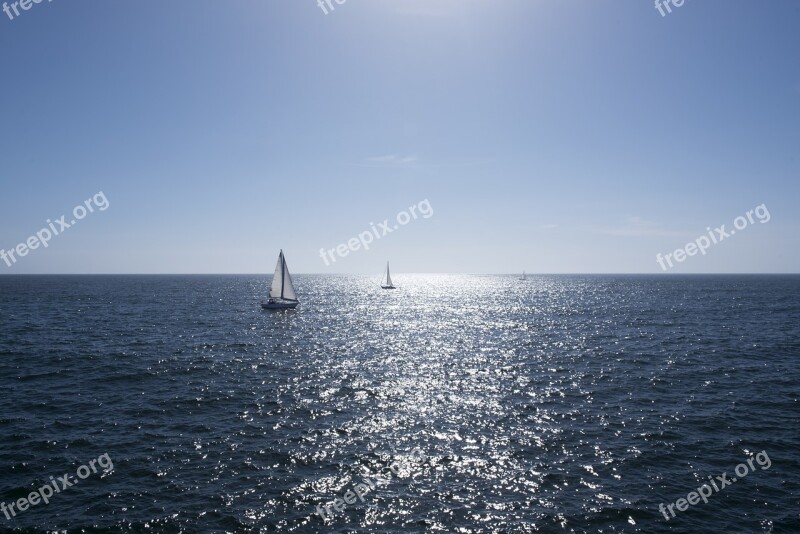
(283, 271)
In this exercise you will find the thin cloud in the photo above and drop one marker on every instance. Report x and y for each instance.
(422, 12)
(390, 160)
(637, 227)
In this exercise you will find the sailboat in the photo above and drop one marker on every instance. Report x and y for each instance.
(281, 293)
(524, 277)
(388, 280)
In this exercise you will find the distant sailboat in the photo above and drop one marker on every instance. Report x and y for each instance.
(281, 293)
(524, 277)
(386, 283)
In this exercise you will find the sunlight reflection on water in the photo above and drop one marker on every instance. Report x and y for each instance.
(556, 402)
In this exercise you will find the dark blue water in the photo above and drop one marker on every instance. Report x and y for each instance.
(561, 404)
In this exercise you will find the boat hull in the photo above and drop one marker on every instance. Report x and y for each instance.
(388, 287)
(279, 305)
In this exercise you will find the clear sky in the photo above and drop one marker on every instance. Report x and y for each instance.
(551, 136)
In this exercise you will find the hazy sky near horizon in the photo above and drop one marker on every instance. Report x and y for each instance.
(549, 136)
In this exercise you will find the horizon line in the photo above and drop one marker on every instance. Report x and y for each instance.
(418, 273)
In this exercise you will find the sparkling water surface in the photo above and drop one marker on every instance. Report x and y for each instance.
(557, 404)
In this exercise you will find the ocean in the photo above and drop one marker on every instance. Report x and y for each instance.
(456, 403)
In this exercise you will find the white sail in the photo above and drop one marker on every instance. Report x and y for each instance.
(288, 286)
(388, 276)
(277, 279)
(282, 287)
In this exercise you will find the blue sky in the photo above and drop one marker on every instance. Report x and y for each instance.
(550, 136)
